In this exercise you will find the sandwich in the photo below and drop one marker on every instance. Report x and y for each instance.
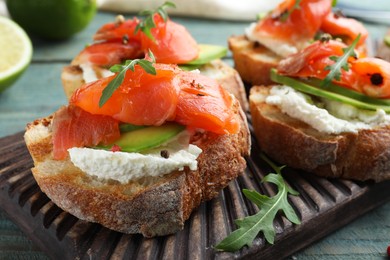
(170, 42)
(287, 29)
(139, 150)
(327, 112)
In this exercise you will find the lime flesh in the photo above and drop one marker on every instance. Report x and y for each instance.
(15, 52)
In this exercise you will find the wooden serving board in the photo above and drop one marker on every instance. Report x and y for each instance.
(323, 206)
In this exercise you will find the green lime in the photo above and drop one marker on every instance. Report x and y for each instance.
(15, 52)
(52, 19)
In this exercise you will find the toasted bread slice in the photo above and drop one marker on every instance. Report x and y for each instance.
(252, 60)
(153, 206)
(360, 156)
(72, 78)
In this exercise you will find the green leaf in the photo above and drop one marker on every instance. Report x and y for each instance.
(251, 226)
(340, 63)
(147, 24)
(121, 72)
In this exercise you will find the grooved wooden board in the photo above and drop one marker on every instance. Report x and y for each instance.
(323, 206)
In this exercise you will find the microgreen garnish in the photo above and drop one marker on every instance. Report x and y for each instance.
(340, 63)
(284, 16)
(148, 23)
(334, 3)
(121, 70)
(251, 226)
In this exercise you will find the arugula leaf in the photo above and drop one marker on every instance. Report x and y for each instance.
(284, 16)
(251, 226)
(148, 23)
(340, 63)
(121, 70)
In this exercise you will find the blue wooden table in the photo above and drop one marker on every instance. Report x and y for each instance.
(39, 93)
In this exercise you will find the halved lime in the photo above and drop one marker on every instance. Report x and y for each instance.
(15, 52)
(52, 19)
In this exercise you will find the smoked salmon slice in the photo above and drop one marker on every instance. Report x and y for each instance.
(367, 75)
(142, 99)
(118, 41)
(204, 104)
(74, 127)
(290, 26)
(110, 53)
(187, 98)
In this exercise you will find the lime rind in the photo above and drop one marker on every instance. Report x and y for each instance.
(11, 74)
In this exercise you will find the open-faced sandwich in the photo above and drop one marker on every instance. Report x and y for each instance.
(328, 114)
(138, 151)
(287, 29)
(170, 42)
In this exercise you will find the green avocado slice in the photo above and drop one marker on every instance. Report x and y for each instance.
(342, 96)
(125, 127)
(347, 92)
(146, 138)
(207, 53)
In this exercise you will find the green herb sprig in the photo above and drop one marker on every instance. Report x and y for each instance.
(148, 23)
(340, 63)
(121, 70)
(284, 16)
(251, 226)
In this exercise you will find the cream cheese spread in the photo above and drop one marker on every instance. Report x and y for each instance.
(334, 118)
(280, 48)
(89, 74)
(123, 166)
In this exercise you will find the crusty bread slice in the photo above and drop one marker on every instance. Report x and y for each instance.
(72, 78)
(360, 156)
(252, 60)
(153, 206)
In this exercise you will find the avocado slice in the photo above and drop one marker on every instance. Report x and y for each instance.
(308, 89)
(347, 92)
(125, 127)
(207, 53)
(146, 138)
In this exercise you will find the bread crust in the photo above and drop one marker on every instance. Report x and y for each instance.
(252, 60)
(153, 206)
(360, 156)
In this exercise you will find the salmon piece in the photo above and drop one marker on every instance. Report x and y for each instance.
(373, 76)
(187, 98)
(142, 99)
(367, 75)
(119, 41)
(286, 34)
(203, 103)
(110, 53)
(119, 30)
(346, 28)
(172, 42)
(312, 61)
(74, 127)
